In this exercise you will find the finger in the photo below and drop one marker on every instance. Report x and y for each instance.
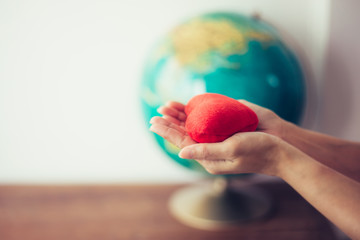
(176, 105)
(165, 122)
(181, 116)
(172, 135)
(205, 151)
(174, 120)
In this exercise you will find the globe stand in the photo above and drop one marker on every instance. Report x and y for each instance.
(217, 206)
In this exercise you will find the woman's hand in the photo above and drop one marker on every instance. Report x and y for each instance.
(171, 125)
(269, 122)
(248, 152)
(241, 153)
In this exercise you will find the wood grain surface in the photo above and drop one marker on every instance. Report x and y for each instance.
(112, 212)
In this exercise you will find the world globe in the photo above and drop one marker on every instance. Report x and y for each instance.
(227, 53)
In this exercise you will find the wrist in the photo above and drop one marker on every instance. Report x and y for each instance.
(285, 153)
(277, 157)
(286, 130)
(290, 160)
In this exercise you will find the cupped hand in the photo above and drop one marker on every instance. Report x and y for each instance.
(247, 152)
(241, 153)
(269, 122)
(175, 117)
(171, 125)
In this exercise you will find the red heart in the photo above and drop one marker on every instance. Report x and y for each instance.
(214, 117)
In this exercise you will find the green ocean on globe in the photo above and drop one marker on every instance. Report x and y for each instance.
(227, 53)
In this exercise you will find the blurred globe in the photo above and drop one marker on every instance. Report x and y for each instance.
(226, 53)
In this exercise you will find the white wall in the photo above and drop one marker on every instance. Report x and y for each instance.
(69, 79)
(340, 112)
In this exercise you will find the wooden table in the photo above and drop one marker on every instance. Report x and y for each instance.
(112, 212)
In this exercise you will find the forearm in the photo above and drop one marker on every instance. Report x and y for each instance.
(333, 194)
(341, 155)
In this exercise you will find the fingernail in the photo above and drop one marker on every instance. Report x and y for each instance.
(151, 128)
(186, 153)
(159, 109)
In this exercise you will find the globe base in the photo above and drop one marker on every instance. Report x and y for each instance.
(216, 206)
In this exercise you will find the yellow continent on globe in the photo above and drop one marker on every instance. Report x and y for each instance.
(194, 41)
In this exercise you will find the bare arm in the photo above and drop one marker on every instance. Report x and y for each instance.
(333, 194)
(341, 155)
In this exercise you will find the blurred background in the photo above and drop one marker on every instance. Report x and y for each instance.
(70, 73)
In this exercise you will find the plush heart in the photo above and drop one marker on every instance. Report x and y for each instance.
(214, 117)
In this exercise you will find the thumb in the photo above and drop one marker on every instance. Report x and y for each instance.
(204, 151)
